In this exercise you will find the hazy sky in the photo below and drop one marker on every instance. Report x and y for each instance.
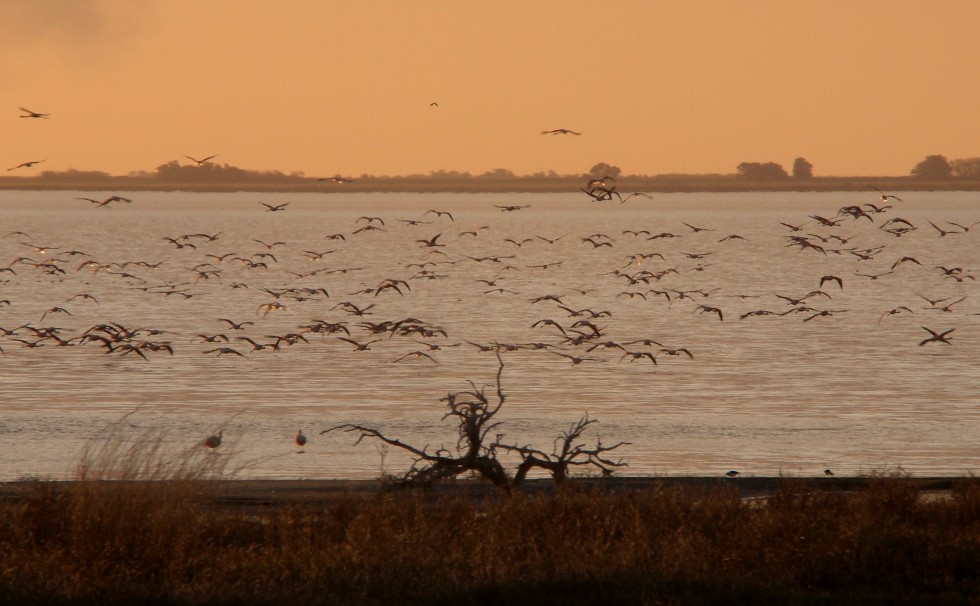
(858, 87)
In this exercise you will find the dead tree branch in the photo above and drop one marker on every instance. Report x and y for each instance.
(476, 453)
(565, 454)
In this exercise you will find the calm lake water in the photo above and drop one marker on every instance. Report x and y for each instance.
(844, 385)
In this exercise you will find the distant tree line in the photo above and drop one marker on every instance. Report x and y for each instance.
(938, 168)
(933, 168)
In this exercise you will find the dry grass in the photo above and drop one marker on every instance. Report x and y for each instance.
(140, 526)
(166, 542)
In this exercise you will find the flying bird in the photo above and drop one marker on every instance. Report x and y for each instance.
(416, 355)
(884, 196)
(708, 309)
(560, 131)
(30, 114)
(635, 194)
(359, 346)
(439, 213)
(829, 278)
(201, 161)
(222, 351)
(893, 312)
(107, 201)
(938, 337)
(274, 207)
(25, 165)
(236, 325)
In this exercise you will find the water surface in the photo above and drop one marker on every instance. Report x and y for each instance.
(851, 390)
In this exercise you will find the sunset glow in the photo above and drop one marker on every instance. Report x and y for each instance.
(397, 88)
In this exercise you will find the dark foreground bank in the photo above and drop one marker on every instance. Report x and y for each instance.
(878, 540)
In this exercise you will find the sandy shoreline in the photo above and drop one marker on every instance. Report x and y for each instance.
(262, 494)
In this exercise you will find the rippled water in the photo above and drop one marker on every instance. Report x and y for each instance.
(852, 391)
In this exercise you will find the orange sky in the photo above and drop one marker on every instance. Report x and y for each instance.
(858, 87)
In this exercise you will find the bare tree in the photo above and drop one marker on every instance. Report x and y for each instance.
(476, 453)
(566, 453)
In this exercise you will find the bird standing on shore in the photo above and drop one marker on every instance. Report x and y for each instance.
(300, 440)
(214, 440)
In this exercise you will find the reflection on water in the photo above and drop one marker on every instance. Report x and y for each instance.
(841, 385)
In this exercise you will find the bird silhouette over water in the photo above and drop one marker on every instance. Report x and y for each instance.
(937, 337)
(885, 197)
(359, 346)
(236, 325)
(221, 351)
(274, 207)
(107, 201)
(560, 131)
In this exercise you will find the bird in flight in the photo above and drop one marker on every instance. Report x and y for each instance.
(415, 355)
(30, 114)
(107, 201)
(274, 207)
(884, 196)
(936, 337)
(440, 213)
(560, 131)
(336, 179)
(225, 350)
(236, 325)
(25, 165)
(201, 161)
(576, 360)
(358, 346)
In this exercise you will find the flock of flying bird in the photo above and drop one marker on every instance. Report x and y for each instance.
(286, 279)
(343, 306)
